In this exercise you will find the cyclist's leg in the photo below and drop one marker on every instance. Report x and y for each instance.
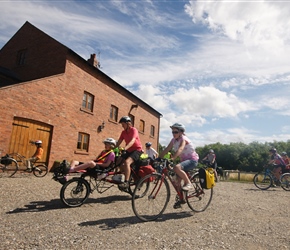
(183, 167)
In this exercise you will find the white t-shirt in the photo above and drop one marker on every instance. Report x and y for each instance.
(151, 152)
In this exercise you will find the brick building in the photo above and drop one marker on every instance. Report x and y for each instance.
(48, 92)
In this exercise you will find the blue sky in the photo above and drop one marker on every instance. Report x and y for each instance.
(222, 68)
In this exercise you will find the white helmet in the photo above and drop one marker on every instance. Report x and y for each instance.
(179, 126)
(111, 141)
(38, 142)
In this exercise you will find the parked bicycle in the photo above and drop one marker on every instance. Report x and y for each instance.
(152, 193)
(266, 179)
(38, 169)
(76, 191)
(8, 166)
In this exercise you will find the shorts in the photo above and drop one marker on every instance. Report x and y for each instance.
(135, 155)
(188, 165)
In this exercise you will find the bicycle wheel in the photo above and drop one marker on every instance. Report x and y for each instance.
(40, 170)
(263, 180)
(20, 160)
(199, 198)
(75, 192)
(150, 197)
(8, 168)
(285, 181)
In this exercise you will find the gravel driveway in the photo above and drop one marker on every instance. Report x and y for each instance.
(239, 217)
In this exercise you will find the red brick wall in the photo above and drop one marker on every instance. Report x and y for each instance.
(57, 101)
(44, 56)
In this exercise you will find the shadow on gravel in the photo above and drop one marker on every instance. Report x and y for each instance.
(41, 206)
(256, 189)
(38, 206)
(113, 223)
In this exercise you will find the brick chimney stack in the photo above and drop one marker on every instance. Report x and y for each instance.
(93, 61)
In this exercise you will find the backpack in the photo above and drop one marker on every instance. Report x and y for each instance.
(206, 178)
(145, 170)
(6, 160)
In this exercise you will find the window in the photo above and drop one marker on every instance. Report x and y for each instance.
(88, 101)
(152, 130)
(114, 113)
(132, 119)
(83, 142)
(142, 126)
(21, 57)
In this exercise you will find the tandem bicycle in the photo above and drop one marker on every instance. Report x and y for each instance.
(76, 191)
(152, 193)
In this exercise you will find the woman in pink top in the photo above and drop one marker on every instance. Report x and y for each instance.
(132, 150)
(183, 148)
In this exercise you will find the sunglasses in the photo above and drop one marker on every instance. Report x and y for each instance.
(175, 132)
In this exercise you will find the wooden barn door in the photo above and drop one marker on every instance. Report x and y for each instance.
(25, 130)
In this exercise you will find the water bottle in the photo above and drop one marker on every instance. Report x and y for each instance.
(102, 176)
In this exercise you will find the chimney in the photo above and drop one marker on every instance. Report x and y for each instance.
(93, 61)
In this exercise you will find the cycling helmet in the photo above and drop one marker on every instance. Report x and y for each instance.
(125, 119)
(38, 142)
(148, 144)
(273, 150)
(179, 126)
(284, 153)
(111, 141)
(211, 151)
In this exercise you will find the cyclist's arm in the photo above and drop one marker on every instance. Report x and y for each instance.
(130, 144)
(166, 150)
(179, 150)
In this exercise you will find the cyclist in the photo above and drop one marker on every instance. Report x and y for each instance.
(185, 150)
(211, 159)
(151, 152)
(286, 160)
(131, 151)
(278, 163)
(36, 156)
(105, 159)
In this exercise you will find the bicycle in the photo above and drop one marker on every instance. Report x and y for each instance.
(76, 191)
(38, 169)
(8, 166)
(266, 178)
(150, 202)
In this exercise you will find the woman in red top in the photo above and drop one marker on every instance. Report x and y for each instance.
(132, 150)
(286, 160)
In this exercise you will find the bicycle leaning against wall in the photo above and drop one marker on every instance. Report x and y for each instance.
(8, 166)
(152, 193)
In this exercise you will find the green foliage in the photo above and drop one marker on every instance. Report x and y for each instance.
(240, 156)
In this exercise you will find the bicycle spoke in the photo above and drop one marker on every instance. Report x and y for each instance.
(150, 197)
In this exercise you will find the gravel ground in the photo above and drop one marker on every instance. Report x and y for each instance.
(239, 217)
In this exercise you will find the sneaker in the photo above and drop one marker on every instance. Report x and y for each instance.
(187, 187)
(124, 185)
(29, 170)
(177, 205)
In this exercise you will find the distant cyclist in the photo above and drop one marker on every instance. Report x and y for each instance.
(211, 159)
(286, 160)
(278, 163)
(150, 151)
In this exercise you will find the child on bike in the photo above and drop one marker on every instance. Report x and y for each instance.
(133, 149)
(36, 156)
(184, 149)
(103, 160)
(278, 163)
